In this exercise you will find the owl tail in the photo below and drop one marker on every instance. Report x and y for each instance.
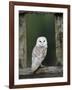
(35, 67)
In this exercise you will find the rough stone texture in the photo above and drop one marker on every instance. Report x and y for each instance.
(59, 38)
(51, 71)
(22, 42)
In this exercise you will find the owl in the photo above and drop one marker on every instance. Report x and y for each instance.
(39, 52)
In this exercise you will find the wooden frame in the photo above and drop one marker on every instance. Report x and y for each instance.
(11, 44)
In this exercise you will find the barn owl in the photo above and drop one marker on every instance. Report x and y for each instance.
(39, 52)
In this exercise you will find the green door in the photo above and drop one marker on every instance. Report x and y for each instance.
(40, 24)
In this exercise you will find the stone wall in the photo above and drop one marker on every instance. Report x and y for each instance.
(59, 38)
(22, 41)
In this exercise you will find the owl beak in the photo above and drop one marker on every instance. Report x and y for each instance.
(42, 45)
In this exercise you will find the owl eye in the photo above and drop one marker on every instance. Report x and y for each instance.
(39, 41)
(44, 41)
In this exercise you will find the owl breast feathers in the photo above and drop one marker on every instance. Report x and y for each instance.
(39, 52)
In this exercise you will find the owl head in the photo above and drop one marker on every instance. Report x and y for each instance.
(41, 42)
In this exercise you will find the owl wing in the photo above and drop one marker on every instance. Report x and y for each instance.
(44, 52)
(37, 58)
